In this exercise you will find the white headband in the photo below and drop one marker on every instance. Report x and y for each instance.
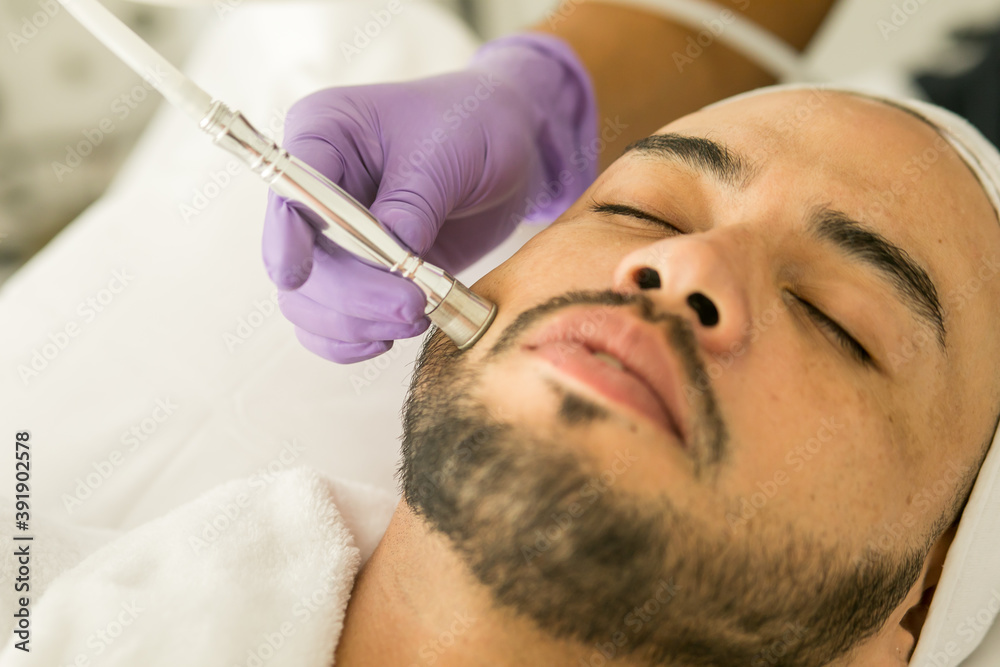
(967, 597)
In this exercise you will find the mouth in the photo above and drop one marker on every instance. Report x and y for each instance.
(620, 357)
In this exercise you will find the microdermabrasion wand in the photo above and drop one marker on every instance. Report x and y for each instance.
(458, 312)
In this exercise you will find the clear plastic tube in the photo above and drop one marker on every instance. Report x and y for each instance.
(180, 91)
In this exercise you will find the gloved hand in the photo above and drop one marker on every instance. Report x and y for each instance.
(448, 164)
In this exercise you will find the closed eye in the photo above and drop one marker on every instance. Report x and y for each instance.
(632, 212)
(846, 340)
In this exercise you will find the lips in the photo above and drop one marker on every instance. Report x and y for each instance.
(642, 373)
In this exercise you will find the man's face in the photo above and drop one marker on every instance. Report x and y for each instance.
(808, 364)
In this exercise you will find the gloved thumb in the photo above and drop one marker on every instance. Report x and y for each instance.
(287, 244)
(290, 228)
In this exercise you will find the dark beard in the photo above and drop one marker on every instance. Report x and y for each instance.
(555, 539)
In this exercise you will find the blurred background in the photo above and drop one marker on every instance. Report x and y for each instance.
(70, 112)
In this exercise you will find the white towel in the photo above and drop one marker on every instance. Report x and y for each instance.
(253, 572)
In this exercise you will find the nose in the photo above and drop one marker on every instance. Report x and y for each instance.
(700, 278)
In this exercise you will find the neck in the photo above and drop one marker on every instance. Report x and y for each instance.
(415, 602)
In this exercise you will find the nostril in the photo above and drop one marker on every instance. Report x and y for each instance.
(708, 314)
(647, 278)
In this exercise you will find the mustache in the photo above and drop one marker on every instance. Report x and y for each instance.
(677, 330)
(680, 336)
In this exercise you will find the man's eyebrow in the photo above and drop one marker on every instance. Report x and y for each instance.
(726, 165)
(909, 279)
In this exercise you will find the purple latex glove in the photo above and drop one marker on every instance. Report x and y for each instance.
(448, 164)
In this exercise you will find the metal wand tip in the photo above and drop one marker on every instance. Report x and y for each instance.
(463, 315)
(483, 329)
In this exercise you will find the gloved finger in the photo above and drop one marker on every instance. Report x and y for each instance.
(287, 244)
(342, 282)
(306, 314)
(462, 241)
(414, 205)
(340, 352)
(317, 141)
(291, 228)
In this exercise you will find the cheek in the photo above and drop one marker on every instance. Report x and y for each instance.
(566, 257)
(807, 448)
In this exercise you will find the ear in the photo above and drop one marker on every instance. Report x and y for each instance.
(894, 645)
